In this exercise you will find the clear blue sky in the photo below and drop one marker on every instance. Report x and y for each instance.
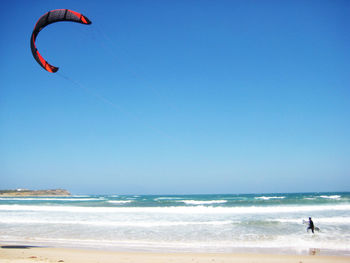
(177, 97)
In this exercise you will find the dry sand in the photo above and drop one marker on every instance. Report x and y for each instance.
(21, 254)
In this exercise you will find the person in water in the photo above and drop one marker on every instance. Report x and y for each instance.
(311, 225)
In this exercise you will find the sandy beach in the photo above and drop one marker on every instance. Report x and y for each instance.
(23, 254)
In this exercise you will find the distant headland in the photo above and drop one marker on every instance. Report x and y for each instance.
(26, 192)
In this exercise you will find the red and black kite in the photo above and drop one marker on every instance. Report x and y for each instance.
(50, 17)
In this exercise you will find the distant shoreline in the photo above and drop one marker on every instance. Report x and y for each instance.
(26, 192)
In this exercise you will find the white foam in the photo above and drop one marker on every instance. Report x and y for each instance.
(166, 198)
(179, 209)
(325, 220)
(111, 223)
(331, 196)
(119, 201)
(270, 197)
(209, 202)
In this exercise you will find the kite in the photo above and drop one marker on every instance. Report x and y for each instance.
(50, 17)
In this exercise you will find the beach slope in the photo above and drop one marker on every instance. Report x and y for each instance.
(19, 254)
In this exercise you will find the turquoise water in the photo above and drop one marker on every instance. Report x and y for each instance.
(183, 223)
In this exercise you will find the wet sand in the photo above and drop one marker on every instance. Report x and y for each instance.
(21, 254)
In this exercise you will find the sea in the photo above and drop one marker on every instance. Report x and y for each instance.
(215, 223)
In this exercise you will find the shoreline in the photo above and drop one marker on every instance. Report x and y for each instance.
(22, 253)
(173, 249)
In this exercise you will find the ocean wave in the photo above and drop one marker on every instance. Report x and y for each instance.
(119, 201)
(324, 220)
(166, 198)
(179, 209)
(196, 202)
(112, 223)
(331, 196)
(270, 197)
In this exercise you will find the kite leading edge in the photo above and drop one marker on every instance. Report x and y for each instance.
(50, 17)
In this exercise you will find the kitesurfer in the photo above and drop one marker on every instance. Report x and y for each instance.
(311, 225)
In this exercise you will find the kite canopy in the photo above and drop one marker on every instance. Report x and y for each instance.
(50, 17)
